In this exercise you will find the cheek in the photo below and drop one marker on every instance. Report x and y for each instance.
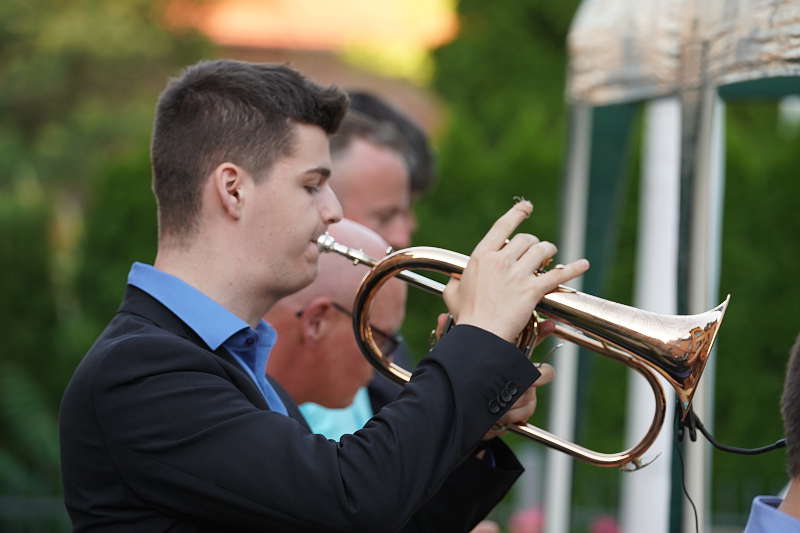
(357, 368)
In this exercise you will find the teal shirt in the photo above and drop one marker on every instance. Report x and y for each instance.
(333, 423)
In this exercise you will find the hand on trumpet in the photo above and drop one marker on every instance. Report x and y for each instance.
(523, 408)
(498, 291)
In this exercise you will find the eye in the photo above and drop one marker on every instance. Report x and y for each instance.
(385, 218)
(312, 189)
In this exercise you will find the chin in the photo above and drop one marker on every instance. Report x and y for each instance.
(304, 278)
(341, 404)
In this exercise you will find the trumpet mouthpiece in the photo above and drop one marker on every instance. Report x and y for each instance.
(326, 242)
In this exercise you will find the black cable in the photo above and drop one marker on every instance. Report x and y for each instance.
(685, 490)
(693, 421)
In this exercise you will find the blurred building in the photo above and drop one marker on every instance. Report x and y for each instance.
(349, 42)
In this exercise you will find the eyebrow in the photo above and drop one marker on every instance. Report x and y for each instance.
(324, 172)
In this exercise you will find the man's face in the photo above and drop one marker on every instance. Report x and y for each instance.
(350, 370)
(292, 206)
(373, 185)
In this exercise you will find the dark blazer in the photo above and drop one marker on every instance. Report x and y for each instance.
(158, 433)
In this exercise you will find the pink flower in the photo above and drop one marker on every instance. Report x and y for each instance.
(527, 521)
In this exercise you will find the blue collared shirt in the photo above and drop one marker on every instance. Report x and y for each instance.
(766, 518)
(214, 324)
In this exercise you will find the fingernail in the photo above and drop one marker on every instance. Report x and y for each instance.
(526, 204)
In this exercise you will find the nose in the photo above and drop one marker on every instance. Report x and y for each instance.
(398, 232)
(329, 207)
(412, 223)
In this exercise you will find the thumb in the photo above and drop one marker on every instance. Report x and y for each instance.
(450, 295)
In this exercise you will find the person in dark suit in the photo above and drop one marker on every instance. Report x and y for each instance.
(169, 422)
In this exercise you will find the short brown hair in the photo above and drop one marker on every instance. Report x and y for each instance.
(420, 158)
(790, 410)
(358, 126)
(227, 110)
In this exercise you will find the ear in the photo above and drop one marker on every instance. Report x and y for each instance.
(317, 320)
(229, 182)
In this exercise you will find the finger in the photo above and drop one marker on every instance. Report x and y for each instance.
(546, 328)
(521, 411)
(450, 294)
(534, 256)
(441, 324)
(556, 276)
(520, 244)
(504, 226)
(524, 402)
(486, 526)
(547, 374)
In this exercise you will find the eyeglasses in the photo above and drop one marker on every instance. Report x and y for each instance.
(387, 342)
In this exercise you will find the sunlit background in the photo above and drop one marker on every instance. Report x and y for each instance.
(486, 80)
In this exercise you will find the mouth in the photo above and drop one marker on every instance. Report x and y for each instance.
(319, 239)
(314, 243)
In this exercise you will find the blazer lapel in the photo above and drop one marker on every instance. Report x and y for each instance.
(291, 407)
(140, 303)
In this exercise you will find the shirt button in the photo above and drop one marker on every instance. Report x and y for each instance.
(494, 407)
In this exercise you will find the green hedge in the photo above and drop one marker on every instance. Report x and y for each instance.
(503, 82)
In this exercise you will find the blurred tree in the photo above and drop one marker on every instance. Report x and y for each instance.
(760, 254)
(120, 228)
(503, 81)
(79, 80)
(28, 436)
(79, 84)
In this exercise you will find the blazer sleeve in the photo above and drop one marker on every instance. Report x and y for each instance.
(469, 493)
(187, 441)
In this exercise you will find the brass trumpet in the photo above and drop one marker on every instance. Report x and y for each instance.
(674, 346)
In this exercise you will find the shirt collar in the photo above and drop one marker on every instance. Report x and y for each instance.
(210, 320)
(765, 516)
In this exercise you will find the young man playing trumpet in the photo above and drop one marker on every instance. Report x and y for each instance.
(168, 423)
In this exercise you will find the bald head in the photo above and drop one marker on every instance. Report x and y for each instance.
(316, 358)
(337, 277)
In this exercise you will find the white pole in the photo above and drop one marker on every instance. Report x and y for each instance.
(558, 487)
(646, 493)
(704, 285)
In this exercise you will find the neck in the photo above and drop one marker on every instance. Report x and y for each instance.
(286, 365)
(219, 276)
(791, 503)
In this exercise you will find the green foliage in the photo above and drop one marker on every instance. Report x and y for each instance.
(79, 80)
(759, 265)
(79, 84)
(28, 326)
(27, 287)
(120, 228)
(503, 80)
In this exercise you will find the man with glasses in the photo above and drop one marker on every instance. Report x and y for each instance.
(378, 157)
(316, 358)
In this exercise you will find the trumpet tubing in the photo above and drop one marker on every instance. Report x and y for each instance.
(676, 347)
